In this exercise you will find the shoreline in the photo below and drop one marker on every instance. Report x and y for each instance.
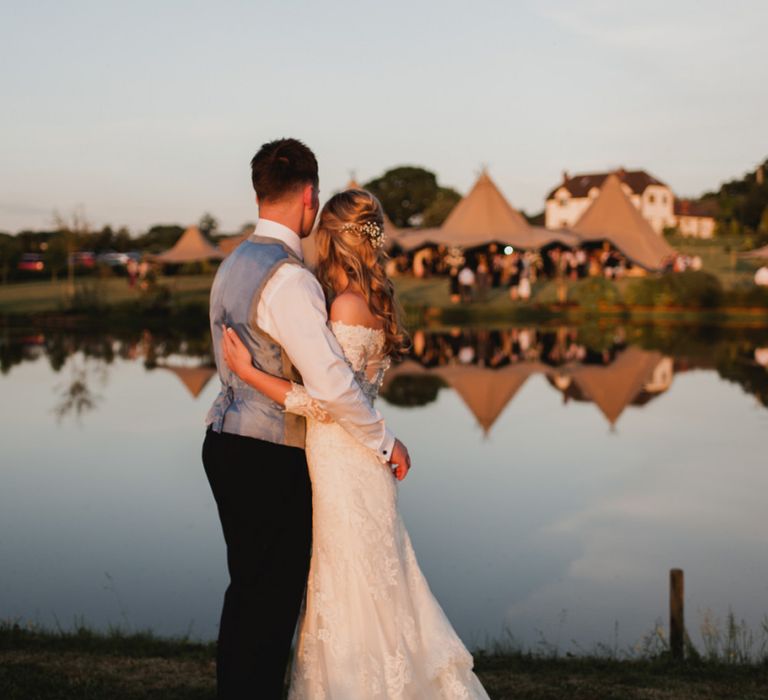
(87, 665)
(182, 301)
(195, 315)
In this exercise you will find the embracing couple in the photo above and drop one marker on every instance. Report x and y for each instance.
(302, 467)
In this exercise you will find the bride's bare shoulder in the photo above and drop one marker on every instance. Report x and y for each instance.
(352, 308)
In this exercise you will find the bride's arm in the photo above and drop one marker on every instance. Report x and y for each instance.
(289, 394)
(238, 359)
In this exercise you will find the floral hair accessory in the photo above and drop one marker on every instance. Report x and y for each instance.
(370, 229)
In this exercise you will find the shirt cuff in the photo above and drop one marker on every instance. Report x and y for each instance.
(387, 445)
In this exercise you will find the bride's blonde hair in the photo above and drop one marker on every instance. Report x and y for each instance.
(350, 243)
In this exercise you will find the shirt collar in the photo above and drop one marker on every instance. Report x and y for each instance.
(273, 229)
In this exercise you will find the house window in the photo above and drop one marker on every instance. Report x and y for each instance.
(663, 199)
(651, 199)
(563, 201)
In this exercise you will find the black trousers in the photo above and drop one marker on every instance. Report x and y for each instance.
(264, 498)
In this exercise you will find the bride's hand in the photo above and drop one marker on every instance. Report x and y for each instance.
(235, 354)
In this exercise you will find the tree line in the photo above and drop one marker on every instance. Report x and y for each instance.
(411, 196)
(741, 207)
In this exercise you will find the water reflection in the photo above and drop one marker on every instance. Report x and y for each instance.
(488, 368)
(515, 517)
(611, 366)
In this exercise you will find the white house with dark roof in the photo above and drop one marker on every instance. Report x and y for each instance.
(694, 220)
(572, 197)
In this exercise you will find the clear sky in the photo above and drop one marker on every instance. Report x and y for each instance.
(149, 111)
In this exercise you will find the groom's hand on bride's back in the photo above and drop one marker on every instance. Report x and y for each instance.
(400, 460)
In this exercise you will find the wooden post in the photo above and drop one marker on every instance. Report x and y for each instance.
(676, 620)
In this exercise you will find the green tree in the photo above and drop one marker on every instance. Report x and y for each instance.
(102, 240)
(159, 237)
(208, 225)
(10, 252)
(122, 241)
(740, 203)
(445, 200)
(405, 192)
(56, 255)
(72, 230)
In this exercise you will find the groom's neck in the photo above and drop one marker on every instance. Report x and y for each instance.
(286, 214)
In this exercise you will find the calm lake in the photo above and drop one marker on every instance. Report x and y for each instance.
(559, 473)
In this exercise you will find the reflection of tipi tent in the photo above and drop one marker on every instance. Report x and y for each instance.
(194, 378)
(612, 217)
(192, 246)
(635, 376)
(485, 216)
(615, 386)
(485, 391)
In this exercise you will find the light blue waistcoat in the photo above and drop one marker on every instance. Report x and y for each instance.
(235, 295)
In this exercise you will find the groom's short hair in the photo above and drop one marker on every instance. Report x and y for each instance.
(281, 167)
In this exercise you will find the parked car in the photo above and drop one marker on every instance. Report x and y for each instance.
(31, 262)
(113, 259)
(84, 259)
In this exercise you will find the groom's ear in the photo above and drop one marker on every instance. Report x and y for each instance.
(309, 196)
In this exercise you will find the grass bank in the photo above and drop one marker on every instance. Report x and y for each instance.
(183, 301)
(85, 665)
(93, 293)
(428, 302)
(178, 302)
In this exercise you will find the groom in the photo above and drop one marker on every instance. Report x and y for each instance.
(253, 451)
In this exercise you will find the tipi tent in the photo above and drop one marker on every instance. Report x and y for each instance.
(228, 244)
(612, 217)
(485, 216)
(192, 246)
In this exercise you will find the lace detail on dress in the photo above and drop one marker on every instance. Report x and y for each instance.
(370, 627)
(363, 350)
(298, 401)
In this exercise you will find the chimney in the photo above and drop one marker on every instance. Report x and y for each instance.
(760, 174)
(566, 176)
(621, 172)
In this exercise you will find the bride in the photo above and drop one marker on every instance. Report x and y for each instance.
(370, 626)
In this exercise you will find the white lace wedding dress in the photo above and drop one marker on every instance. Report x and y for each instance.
(370, 627)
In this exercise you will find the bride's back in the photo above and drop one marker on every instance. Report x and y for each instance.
(361, 336)
(350, 307)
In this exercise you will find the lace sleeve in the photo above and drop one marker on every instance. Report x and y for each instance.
(298, 401)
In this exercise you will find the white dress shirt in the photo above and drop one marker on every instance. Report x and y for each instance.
(292, 310)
